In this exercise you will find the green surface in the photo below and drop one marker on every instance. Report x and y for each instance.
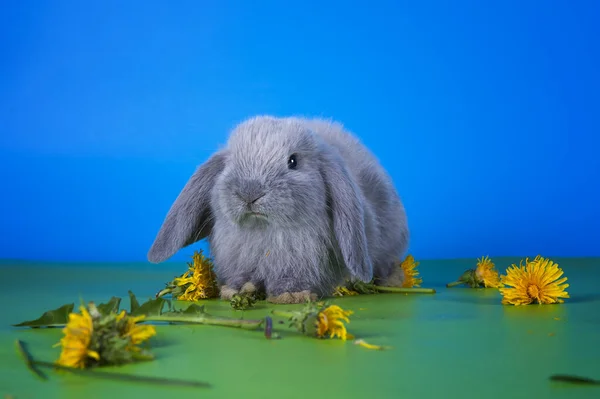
(460, 342)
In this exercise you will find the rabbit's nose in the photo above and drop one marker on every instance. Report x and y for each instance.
(250, 191)
(250, 199)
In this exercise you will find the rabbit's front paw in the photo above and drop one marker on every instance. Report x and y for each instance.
(293, 297)
(227, 292)
(395, 279)
(248, 288)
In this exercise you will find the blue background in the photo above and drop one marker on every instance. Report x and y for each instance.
(486, 114)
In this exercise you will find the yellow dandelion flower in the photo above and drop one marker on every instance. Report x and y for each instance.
(486, 274)
(330, 321)
(344, 291)
(76, 341)
(409, 268)
(365, 344)
(138, 333)
(199, 280)
(537, 281)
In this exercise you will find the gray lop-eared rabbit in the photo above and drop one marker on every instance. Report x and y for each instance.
(293, 207)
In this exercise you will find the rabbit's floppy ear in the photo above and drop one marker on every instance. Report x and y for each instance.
(190, 218)
(348, 214)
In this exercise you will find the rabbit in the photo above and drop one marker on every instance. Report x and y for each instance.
(292, 207)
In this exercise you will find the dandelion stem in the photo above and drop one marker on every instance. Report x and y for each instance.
(454, 284)
(29, 362)
(214, 321)
(405, 290)
(283, 314)
(574, 379)
(163, 292)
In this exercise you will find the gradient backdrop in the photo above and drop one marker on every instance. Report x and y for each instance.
(486, 114)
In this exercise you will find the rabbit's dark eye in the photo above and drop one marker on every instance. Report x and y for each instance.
(292, 162)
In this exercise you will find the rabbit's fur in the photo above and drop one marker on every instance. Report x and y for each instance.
(336, 215)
